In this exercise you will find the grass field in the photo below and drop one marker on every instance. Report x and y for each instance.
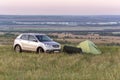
(60, 66)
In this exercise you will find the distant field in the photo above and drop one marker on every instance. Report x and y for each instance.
(60, 66)
(59, 28)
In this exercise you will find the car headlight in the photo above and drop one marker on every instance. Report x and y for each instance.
(47, 45)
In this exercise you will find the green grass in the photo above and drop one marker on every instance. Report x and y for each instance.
(60, 66)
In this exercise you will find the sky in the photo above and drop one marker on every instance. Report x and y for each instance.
(60, 7)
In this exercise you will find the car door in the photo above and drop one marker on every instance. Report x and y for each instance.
(33, 43)
(24, 42)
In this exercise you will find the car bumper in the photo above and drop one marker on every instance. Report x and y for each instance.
(53, 50)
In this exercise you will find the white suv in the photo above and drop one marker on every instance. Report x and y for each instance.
(35, 42)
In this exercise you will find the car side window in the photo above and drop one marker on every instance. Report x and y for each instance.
(24, 37)
(31, 38)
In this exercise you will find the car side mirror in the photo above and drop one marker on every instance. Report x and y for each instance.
(34, 40)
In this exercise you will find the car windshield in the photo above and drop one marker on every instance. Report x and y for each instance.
(43, 38)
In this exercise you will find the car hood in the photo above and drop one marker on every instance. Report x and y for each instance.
(51, 43)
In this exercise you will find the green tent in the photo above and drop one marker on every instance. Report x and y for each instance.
(89, 47)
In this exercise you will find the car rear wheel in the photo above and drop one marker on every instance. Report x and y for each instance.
(18, 49)
(40, 50)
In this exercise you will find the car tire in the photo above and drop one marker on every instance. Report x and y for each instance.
(18, 49)
(40, 50)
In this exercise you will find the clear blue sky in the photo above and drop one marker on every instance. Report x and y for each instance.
(60, 7)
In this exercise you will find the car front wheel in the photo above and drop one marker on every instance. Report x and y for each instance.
(40, 50)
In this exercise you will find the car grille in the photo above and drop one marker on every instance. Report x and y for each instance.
(55, 46)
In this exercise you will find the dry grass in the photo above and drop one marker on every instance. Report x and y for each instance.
(62, 66)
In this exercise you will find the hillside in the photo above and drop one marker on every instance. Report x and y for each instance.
(60, 66)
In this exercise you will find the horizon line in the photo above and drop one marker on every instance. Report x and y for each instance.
(59, 15)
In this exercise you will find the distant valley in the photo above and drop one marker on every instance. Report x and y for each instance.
(59, 23)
